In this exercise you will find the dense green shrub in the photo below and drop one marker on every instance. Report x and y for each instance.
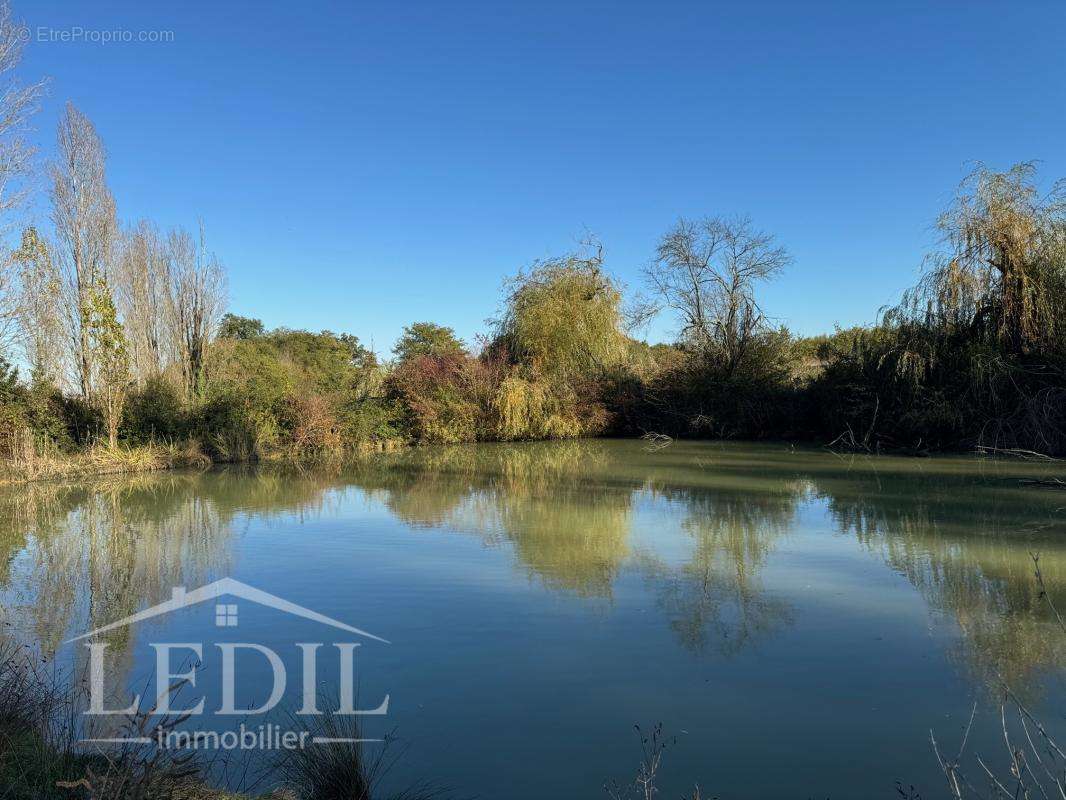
(233, 427)
(49, 417)
(919, 387)
(370, 419)
(154, 413)
(35, 419)
(292, 392)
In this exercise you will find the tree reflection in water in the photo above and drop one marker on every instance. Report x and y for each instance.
(960, 531)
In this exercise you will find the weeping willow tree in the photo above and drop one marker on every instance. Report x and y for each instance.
(563, 332)
(563, 318)
(1001, 274)
(975, 354)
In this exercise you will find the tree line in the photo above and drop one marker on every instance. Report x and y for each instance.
(127, 343)
(99, 307)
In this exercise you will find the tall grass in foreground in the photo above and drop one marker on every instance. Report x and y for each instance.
(41, 757)
(346, 770)
(40, 754)
(36, 732)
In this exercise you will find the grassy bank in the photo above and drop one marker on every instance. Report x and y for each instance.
(102, 460)
(125, 459)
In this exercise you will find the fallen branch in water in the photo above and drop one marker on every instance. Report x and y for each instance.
(1015, 452)
(846, 441)
(656, 441)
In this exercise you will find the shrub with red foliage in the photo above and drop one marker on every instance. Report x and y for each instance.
(448, 398)
(315, 430)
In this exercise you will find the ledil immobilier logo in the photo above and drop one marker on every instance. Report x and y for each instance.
(178, 664)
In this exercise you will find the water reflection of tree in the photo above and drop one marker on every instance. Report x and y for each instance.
(567, 510)
(99, 552)
(961, 535)
(76, 557)
(960, 531)
(716, 598)
(559, 504)
(572, 538)
(424, 488)
(964, 543)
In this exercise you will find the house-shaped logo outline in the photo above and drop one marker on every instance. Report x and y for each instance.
(180, 598)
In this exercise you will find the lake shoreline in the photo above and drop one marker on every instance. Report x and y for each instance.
(103, 461)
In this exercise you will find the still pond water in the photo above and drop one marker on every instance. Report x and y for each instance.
(797, 620)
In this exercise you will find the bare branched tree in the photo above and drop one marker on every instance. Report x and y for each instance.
(707, 271)
(39, 303)
(83, 211)
(142, 290)
(18, 102)
(197, 299)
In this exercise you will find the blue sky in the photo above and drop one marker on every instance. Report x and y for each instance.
(363, 165)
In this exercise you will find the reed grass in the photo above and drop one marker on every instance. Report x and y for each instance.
(102, 459)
